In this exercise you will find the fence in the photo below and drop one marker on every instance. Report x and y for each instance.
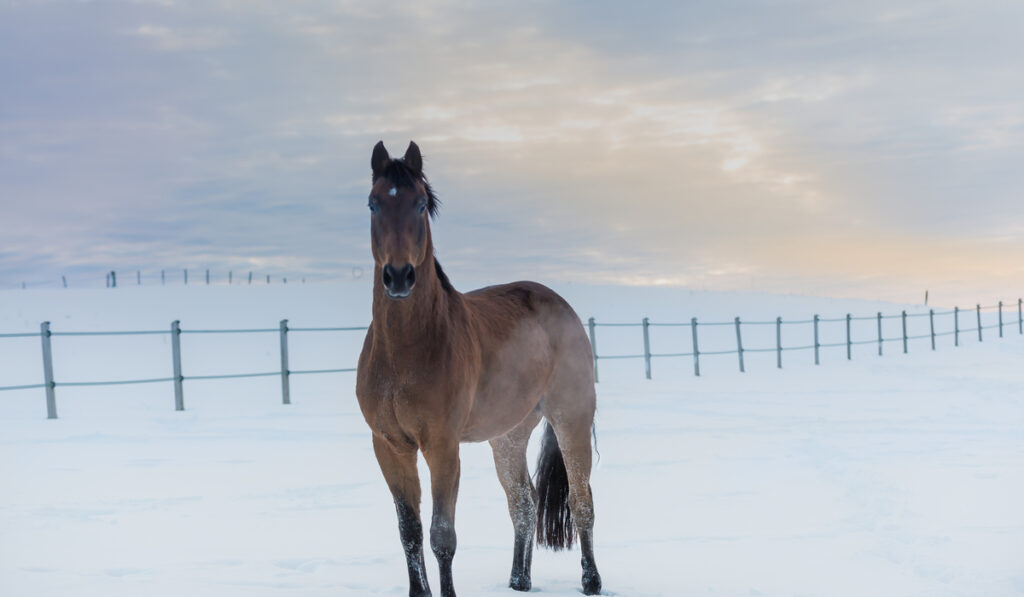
(816, 345)
(285, 372)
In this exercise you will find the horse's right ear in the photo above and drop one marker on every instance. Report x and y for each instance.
(379, 159)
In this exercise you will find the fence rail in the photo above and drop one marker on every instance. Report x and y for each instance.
(285, 372)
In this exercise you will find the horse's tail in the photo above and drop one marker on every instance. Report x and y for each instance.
(554, 519)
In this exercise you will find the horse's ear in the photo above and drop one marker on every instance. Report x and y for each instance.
(379, 159)
(413, 159)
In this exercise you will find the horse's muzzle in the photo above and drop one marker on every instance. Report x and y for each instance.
(398, 282)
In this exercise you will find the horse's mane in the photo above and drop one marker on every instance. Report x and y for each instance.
(398, 173)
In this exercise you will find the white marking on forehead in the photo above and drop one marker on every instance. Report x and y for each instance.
(393, 191)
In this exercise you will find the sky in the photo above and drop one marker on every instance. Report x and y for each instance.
(868, 149)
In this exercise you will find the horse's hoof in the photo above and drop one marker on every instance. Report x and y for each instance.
(592, 584)
(520, 583)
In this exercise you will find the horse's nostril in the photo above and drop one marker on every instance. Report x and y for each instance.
(387, 276)
(410, 276)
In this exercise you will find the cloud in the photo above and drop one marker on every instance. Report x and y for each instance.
(699, 144)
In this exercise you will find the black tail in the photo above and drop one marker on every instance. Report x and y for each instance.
(554, 520)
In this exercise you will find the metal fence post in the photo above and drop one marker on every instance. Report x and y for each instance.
(696, 351)
(286, 395)
(849, 344)
(207, 277)
(1000, 319)
(931, 324)
(1020, 317)
(979, 322)
(51, 397)
(647, 348)
(186, 276)
(778, 342)
(879, 333)
(817, 345)
(592, 325)
(904, 332)
(956, 326)
(739, 344)
(179, 394)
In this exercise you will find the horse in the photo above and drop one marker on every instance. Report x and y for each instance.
(440, 367)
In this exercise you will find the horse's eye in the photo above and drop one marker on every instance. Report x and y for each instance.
(421, 207)
(374, 208)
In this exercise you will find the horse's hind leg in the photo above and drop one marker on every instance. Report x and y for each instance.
(574, 441)
(514, 475)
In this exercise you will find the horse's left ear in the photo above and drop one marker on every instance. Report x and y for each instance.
(413, 159)
(379, 159)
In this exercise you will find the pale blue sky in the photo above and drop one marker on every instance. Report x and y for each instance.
(865, 149)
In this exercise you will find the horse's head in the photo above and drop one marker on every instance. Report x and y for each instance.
(401, 204)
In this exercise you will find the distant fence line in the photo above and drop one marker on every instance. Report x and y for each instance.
(116, 279)
(285, 372)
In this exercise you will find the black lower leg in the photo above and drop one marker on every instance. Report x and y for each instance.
(411, 531)
(443, 543)
(591, 577)
(521, 559)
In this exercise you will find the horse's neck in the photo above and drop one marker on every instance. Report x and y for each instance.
(421, 320)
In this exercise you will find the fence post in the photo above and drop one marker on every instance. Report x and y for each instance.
(778, 342)
(816, 344)
(931, 324)
(1000, 319)
(51, 397)
(904, 331)
(231, 275)
(956, 326)
(593, 343)
(849, 344)
(647, 348)
(138, 277)
(286, 395)
(739, 344)
(879, 333)
(1020, 317)
(979, 322)
(186, 276)
(250, 278)
(696, 351)
(207, 277)
(163, 278)
(179, 394)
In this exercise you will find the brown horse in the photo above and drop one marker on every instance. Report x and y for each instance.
(440, 367)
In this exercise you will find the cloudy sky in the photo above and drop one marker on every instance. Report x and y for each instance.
(870, 149)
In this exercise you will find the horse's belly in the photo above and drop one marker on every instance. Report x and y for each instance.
(499, 407)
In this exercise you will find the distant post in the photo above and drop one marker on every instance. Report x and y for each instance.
(904, 332)
(207, 277)
(778, 342)
(1000, 319)
(931, 324)
(138, 277)
(51, 397)
(979, 322)
(956, 326)
(286, 395)
(230, 276)
(179, 394)
(1020, 317)
(739, 344)
(696, 351)
(64, 281)
(163, 278)
(647, 348)
(817, 345)
(250, 278)
(591, 325)
(879, 333)
(849, 343)
(186, 276)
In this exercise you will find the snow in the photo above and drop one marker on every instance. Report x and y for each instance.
(901, 475)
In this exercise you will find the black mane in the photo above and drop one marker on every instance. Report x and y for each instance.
(398, 173)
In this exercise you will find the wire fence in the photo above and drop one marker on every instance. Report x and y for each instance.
(1004, 321)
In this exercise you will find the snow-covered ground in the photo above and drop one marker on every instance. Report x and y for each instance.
(901, 475)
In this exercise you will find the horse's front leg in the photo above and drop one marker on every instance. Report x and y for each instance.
(399, 468)
(443, 461)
